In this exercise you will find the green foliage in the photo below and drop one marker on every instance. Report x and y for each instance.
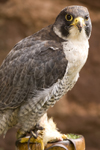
(73, 136)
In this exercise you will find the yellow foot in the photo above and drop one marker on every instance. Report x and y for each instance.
(32, 140)
(20, 134)
(64, 136)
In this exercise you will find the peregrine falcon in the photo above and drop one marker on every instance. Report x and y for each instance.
(41, 68)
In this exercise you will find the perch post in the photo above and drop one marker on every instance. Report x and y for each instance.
(71, 144)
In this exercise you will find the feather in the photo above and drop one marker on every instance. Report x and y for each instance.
(50, 132)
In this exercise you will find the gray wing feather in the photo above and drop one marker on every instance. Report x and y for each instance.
(30, 66)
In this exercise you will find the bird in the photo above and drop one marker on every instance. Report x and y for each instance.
(41, 68)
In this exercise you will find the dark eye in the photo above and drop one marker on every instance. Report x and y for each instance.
(69, 17)
(86, 17)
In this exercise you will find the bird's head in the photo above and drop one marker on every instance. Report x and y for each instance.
(73, 21)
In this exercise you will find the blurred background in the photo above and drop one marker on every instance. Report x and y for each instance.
(78, 111)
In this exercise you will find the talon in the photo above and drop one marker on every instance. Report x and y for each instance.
(35, 135)
(33, 138)
(30, 139)
(38, 127)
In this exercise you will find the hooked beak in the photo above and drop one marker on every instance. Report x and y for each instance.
(79, 23)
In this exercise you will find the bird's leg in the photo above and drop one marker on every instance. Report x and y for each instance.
(33, 138)
(37, 127)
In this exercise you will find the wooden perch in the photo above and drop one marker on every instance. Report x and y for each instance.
(70, 144)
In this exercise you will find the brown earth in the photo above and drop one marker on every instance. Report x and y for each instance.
(79, 110)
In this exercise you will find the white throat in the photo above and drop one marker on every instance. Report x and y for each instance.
(75, 48)
(74, 34)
